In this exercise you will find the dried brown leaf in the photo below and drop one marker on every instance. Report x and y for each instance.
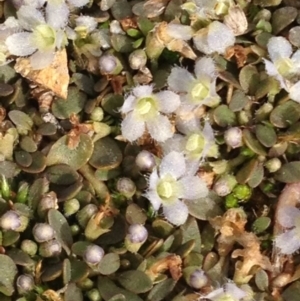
(54, 77)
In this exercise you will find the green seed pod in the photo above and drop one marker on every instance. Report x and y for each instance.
(71, 207)
(50, 248)
(42, 232)
(29, 246)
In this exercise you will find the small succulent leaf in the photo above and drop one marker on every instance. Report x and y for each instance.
(8, 271)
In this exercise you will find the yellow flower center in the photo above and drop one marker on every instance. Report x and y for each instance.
(146, 107)
(199, 92)
(168, 189)
(44, 37)
(284, 66)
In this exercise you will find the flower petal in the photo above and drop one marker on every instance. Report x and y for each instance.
(288, 242)
(40, 60)
(176, 143)
(294, 92)
(57, 15)
(279, 47)
(272, 71)
(220, 37)
(160, 128)
(173, 164)
(29, 17)
(205, 67)
(168, 101)
(287, 216)
(78, 3)
(142, 91)
(176, 213)
(89, 22)
(153, 180)
(193, 188)
(132, 128)
(153, 198)
(129, 104)
(180, 79)
(234, 291)
(20, 44)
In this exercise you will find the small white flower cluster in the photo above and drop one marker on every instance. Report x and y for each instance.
(284, 65)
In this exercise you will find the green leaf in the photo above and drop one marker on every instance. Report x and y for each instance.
(8, 271)
(289, 172)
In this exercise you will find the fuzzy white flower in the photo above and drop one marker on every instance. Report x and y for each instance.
(199, 90)
(216, 37)
(44, 34)
(284, 65)
(171, 183)
(196, 144)
(143, 110)
(289, 241)
(229, 292)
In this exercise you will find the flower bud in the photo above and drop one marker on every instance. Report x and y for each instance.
(93, 254)
(75, 229)
(29, 246)
(126, 187)
(43, 232)
(97, 114)
(273, 165)
(71, 207)
(137, 59)
(85, 284)
(11, 220)
(25, 284)
(231, 201)
(84, 215)
(48, 201)
(197, 279)
(110, 64)
(234, 137)
(50, 248)
(94, 295)
(224, 185)
(145, 161)
(137, 235)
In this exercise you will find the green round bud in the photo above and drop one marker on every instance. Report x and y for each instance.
(97, 114)
(86, 284)
(71, 207)
(29, 246)
(242, 192)
(231, 201)
(75, 229)
(94, 295)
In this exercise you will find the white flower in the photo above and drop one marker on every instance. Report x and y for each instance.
(216, 37)
(285, 65)
(289, 241)
(195, 91)
(196, 144)
(43, 36)
(229, 292)
(143, 110)
(170, 184)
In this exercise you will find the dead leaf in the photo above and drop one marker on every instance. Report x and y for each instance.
(171, 263)
(236, 20)
(54, 77)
